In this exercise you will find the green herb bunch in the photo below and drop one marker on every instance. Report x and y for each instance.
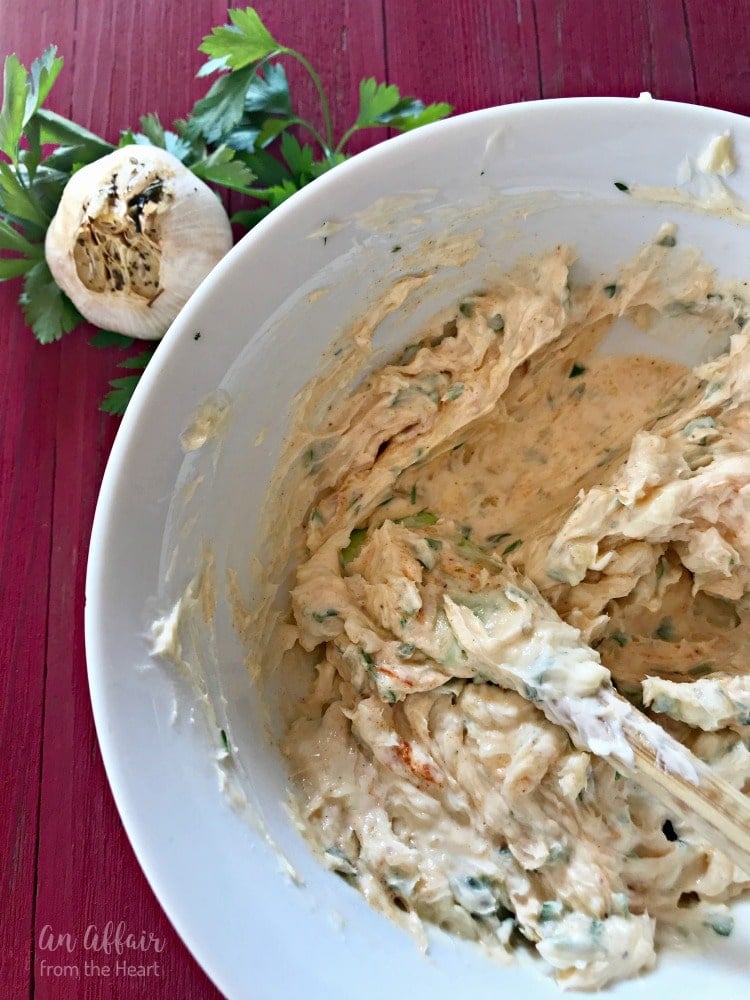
(243, 136)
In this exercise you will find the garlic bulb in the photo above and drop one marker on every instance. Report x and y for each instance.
(134, 235)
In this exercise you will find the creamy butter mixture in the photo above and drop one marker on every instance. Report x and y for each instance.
(500, 520)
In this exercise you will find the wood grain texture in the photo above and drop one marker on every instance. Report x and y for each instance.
(119, 66)
(28, 397)
(469, 52)
(614, 50)
(28, 376)
(718, 35)
(66, 863)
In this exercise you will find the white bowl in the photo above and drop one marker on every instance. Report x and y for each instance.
(528, 176)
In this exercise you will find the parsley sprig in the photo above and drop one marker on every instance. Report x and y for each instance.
(244, 135)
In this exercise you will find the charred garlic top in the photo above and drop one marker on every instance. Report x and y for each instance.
(134, 235)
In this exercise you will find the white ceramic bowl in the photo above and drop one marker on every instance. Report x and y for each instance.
(528, 176)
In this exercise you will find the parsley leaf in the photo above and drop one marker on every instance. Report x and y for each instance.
(323, 166)
(382, 104)
(269, 94)
(375, 99)
(277, 193)
(42, 75)
(264, 136)
(298, 158)
(12, 239)
(48, 310)
(46, 190)
(65, 160)
(14, 267)
(245, 41)
(63, 132)
(155, 134)
(411, 113)
(13, 107)
(267, 110)
(107, 338)
(267, 169)
(249, 217)
(31, 156)
(138, 361)
(23, 94)
(221, 167)
(119, 395)
(121, 389)
(16, 201)
(212, 66)
(220, 111)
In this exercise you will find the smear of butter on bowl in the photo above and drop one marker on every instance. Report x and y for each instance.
(183, 638)
(718, 156)
(387, 213)
(207, 422)
(329, 228)
(700, 185)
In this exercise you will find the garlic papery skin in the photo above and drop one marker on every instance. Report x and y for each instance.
(134, 235)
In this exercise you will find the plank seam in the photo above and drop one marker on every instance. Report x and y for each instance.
(385, 40)
(37, 839)
(688, 35)
(539, 79)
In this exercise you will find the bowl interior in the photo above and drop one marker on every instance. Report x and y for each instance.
(230, 869)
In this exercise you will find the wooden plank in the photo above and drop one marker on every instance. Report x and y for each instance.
(719, 36)
(28, 389)
(28, 392)
(470, 53)
(605, 50)
(127, 59)
(87, 874)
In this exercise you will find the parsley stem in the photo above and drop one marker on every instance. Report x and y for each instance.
(325, 107)
(346, 137)
(303, 123)
(356, 128)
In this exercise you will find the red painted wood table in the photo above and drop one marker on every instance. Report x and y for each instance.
(66, 866)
